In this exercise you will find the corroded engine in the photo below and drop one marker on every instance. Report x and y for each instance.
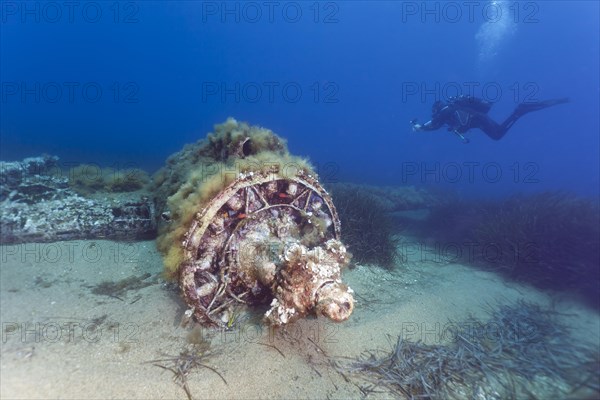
(267, 235)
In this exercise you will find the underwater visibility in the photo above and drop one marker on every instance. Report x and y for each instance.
(241, 200)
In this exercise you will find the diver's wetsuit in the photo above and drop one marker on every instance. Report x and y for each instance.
(460, 118)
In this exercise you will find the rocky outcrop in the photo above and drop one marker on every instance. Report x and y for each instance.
(38, 205)
(391, 198)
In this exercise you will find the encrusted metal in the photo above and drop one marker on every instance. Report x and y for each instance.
(266, 239)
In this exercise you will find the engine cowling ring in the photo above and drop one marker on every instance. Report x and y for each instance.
(222, 263)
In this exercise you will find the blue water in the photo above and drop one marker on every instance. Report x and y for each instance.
(128, 83)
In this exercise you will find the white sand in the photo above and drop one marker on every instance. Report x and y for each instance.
(44, 287)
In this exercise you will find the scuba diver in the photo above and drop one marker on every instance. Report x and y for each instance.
(462, 113)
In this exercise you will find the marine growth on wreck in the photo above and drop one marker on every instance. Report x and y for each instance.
(245, 222)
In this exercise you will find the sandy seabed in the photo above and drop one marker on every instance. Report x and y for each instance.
(61, 338)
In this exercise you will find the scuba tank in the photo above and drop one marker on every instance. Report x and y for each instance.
(473, 103)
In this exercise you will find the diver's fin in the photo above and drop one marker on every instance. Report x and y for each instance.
(553, 102)
(524, 108)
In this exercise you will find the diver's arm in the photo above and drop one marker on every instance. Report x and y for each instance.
(432, 125)
(436, 122)
(427, 126)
